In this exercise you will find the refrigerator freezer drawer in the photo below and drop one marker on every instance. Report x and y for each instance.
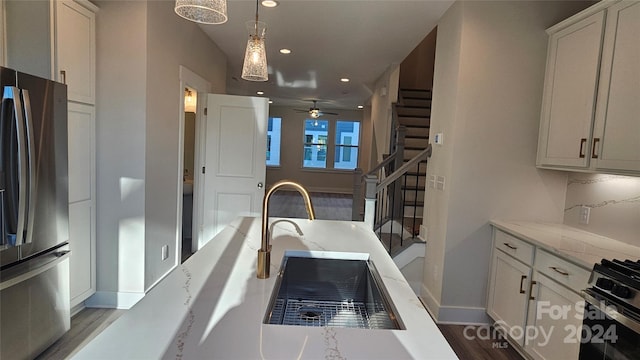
(35, 311)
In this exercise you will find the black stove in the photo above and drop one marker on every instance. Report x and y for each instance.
(611, 324)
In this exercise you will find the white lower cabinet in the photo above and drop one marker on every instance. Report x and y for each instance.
(508, 297)
(82, 217)
(536, 303)
(81, 265)
(554, 320)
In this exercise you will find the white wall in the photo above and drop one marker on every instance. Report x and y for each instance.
(172, 41)
(140, 46)
(489, 71)
(384, 95)
(120, 149)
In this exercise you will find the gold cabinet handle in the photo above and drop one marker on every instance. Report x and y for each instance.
(559, 271)
(510, 246)
(63, 76)
(531, 297)
(522, 279)
(594, 150)
(583, 142)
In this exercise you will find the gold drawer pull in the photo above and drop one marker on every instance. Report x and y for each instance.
(510, 246)
(531, 297)
(522, 279)
(583, 141)
(559, 271)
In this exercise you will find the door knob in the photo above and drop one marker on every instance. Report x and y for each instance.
(260, 185)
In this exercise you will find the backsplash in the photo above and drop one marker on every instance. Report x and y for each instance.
(614, 202)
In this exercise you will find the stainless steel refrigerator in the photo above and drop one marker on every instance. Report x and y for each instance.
(34, 225)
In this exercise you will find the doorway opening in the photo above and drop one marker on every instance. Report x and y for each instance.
(189, 147)
(193, 94)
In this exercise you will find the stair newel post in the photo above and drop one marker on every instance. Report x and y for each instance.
(356, 205)
(397, 190)
(371, 182)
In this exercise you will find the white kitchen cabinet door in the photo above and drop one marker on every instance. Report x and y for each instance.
(508, 292)
(75, 50)
(555, 313)
(570, 93)
(82, 274)
(82, 217)
(81, 146)
(617, 132)
(234, 161)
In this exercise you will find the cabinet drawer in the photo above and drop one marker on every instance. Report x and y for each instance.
(564, 272)
(513, 246)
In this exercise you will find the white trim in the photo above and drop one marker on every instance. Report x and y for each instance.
(457, 315)
(414, 251)
(114, 300)
(599, 6)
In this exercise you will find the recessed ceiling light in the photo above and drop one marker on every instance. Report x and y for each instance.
(260, 92)
(269, 3)
(285, 51)
(270, 101)
(360, 107)
(345, 80)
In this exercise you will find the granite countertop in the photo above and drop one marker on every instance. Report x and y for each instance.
(579, 246)
(212, 306)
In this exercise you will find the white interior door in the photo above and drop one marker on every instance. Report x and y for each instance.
(234, 160)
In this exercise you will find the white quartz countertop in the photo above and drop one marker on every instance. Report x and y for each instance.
(582, 247)
(213, 305)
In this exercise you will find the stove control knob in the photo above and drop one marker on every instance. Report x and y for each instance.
(621, 291)
(604, 283)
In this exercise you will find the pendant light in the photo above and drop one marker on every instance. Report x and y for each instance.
(203, 11)
(255, 56)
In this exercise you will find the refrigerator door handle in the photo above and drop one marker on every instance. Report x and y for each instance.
(31, 182)
(13, 93)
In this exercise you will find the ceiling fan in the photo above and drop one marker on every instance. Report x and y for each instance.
(314, 111)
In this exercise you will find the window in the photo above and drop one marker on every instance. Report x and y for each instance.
(347, 140)
(316, 133)
(319, 137)
(273, 141)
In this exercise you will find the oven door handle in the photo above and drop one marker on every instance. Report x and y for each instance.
(611, 311)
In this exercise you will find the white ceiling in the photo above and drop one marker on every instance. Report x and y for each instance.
(329, 39)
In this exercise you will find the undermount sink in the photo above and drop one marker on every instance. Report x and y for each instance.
(335, 289)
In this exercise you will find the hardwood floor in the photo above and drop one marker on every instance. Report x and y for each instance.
(85, 325)
(469, 344)
(326, 206)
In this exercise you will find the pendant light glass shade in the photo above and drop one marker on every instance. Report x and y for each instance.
(203, 11)
(255, 56)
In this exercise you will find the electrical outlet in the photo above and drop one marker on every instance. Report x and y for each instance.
(585, 213)
(165, 252)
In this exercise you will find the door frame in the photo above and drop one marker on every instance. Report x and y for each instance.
(190, 79)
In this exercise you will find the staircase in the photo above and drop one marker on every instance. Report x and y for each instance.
(392, 193)
(414, 113)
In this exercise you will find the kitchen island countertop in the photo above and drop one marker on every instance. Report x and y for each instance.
(212, 306)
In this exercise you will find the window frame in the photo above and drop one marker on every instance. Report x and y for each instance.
(330, 145)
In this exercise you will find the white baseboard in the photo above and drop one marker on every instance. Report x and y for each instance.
(459, 315)
(113, 300)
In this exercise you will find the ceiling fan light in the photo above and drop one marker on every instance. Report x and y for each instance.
(315, 113)
(203, 11)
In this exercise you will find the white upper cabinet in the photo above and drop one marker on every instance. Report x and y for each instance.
(75, 50)
(617, 129)
(590, 114)
(56, 40)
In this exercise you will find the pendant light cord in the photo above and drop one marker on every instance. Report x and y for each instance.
(256, 26)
